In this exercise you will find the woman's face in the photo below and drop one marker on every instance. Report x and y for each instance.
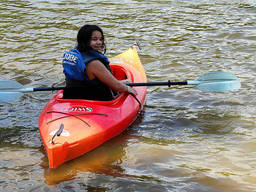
(96, 42)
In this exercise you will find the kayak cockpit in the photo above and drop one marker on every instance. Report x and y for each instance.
(119, 72)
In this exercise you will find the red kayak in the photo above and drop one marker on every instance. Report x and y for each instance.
(70, 128)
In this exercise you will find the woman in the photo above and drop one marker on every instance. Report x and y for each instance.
(87, 67)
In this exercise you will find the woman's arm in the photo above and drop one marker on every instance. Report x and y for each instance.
(96, 69)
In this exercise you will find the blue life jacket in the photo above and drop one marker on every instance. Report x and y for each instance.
(74, 63)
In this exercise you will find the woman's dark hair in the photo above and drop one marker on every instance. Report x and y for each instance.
(84, 37)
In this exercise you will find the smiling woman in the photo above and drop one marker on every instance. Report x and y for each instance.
(97, 40)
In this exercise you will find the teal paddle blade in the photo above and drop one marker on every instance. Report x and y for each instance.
(218, 82)
(9, 96)
(9, 85)
(9, 90)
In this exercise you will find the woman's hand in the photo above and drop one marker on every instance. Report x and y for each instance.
(125, 81)
(131, 90)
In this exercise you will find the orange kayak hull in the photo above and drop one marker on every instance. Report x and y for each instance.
(83, 125)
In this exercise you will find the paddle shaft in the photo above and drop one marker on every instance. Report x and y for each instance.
(48, 88)
(167, 83)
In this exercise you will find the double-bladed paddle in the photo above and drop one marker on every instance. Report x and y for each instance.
(211, 82)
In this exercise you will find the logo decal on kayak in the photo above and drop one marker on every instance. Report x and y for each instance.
(79, 109)
(64, 133)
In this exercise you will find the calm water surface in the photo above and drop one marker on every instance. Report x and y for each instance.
(186, 140)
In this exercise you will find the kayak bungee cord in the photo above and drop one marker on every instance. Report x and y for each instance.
(141, 107)
(71, 115)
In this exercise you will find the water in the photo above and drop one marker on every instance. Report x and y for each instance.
(186, 140)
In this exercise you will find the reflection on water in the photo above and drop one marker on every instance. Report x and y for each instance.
(187, 140)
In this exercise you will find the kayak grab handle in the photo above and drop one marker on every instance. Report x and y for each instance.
(58, 133)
